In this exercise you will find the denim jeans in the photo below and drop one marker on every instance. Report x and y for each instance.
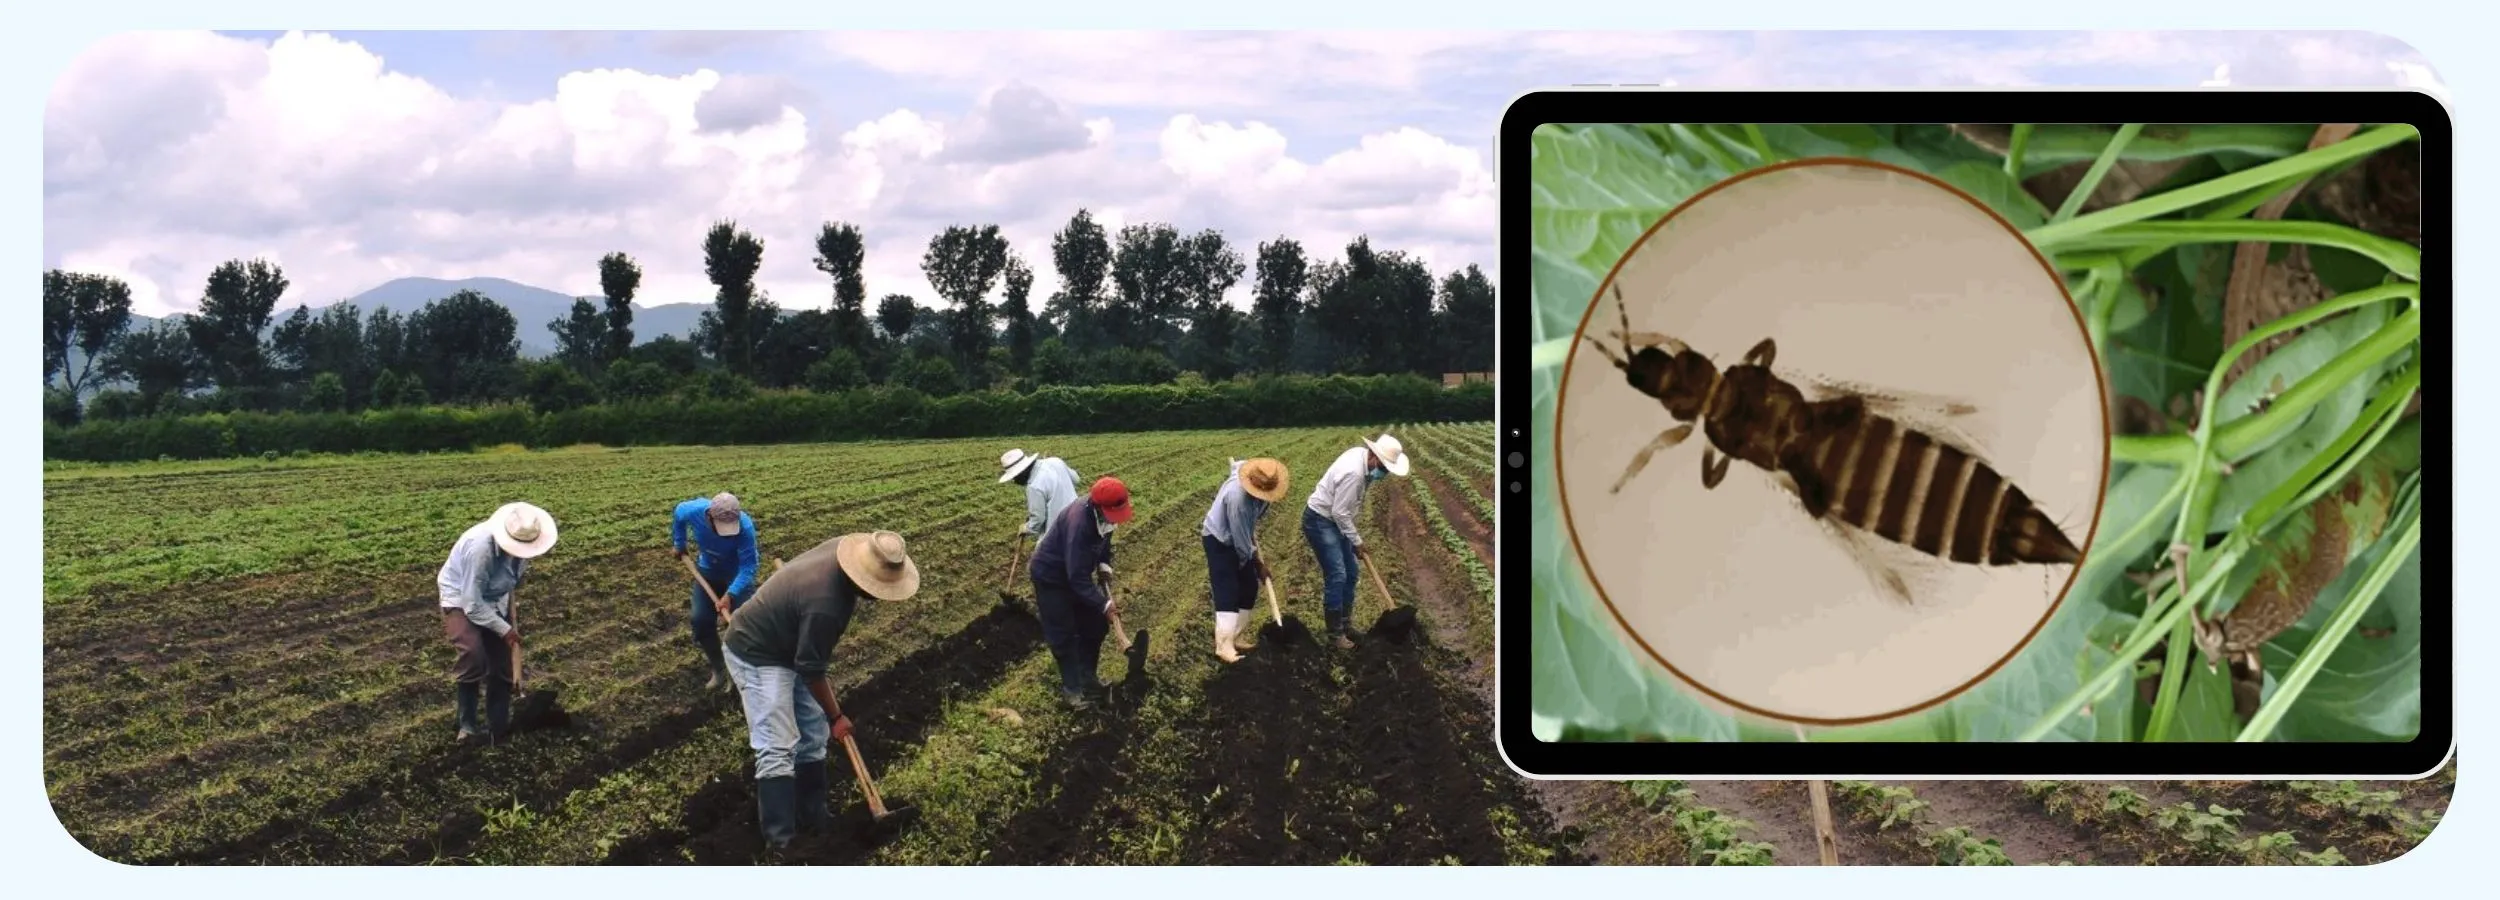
(784, 724)
(1234, 584)
(700, 615)
(1337, 564)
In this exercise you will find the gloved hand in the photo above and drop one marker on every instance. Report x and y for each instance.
(1102, 571)
(1264, 574)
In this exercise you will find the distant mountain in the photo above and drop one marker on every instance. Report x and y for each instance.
(532, 308)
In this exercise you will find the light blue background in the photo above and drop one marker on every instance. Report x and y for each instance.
(41, 859)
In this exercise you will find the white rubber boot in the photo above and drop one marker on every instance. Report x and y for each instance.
(1225, 623)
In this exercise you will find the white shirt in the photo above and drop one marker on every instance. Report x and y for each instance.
(1339, 493)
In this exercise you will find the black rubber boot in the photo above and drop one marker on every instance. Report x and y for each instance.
(498, 708)
(776, 806)
(815, 797)
(466, 713)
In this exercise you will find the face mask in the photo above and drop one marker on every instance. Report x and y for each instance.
(1104, 526)
(1374, 474)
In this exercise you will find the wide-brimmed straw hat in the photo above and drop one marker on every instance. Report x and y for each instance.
(1014, 462)
(1392, 454)
(1265, 479)
(523, 530)
(879, 564)
(725, 514)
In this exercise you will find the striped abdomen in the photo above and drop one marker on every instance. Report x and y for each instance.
(1906, 487)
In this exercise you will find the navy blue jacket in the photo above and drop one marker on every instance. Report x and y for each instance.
(1069, 550)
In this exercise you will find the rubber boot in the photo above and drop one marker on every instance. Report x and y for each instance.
(1245, 630)
(466, 713)
(1071, 685)
(717, 670)
(814, 789)
(776, 809)
(498, 708)
(1224, 624)
(1340, 631)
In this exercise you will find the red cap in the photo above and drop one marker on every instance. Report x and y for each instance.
(1110, 496)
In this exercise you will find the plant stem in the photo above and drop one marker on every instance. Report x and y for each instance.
(1761, 144)
(2357, 146)
(2336, 459)
(2234, 440)
(2155, 237)
(2331, 635)
(2092, 176)
(2014, 148)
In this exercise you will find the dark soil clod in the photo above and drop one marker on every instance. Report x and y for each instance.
(1395, 625)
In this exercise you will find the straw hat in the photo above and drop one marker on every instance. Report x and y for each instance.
(523, 530)
(1014, 462)
(1265, 479)
(878, 563)
(725, 514)
(1392, 454)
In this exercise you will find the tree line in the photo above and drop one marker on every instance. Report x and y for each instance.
(1141, 306)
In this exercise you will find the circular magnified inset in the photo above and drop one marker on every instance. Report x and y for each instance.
(1829, 442)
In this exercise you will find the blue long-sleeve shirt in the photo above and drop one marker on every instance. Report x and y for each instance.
(478, 578)
(1048, 488)
(1234, 518)
(1066, 555)
(717, 554)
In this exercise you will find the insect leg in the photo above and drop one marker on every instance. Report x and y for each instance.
(1713, 467)
(1665, 439)
(1761, 354)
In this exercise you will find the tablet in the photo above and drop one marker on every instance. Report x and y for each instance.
(1922, 421)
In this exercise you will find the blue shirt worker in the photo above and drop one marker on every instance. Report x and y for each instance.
(1049, 486)
(1328, 525)
(1231, 537)
(724, 538)
(1070, 564)
(475, 587)
(779, 651)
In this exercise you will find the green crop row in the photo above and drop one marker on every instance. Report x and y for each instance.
(2211, 834)
(1710, 837)
(1893, 807)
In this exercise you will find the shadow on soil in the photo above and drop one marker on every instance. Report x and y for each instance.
(892, 711)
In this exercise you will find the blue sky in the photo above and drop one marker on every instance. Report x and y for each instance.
(356, 157)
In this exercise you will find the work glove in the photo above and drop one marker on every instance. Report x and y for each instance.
(1102, 571)
(841, 728)
(1110, 608)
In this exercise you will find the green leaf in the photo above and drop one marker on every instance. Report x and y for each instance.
(2253, 478)
(2371, 688)
(1990, 185)
(2204, 710)
(1594, 191)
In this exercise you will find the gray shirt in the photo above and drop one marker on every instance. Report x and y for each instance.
(479, 577)
(1339, 493)
(1234, 519)
(1048, 488)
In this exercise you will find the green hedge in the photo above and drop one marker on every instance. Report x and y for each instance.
(786, 417)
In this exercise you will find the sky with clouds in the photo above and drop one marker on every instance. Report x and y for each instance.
(356, 158)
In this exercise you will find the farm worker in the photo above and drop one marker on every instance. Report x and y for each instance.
(778, 650)
(1049, 486)
(1231, 536)
(475, 586)
(724, 538)
(1328, 524)
(1070, 564)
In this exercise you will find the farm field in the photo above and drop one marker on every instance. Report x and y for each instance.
(243, 664)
